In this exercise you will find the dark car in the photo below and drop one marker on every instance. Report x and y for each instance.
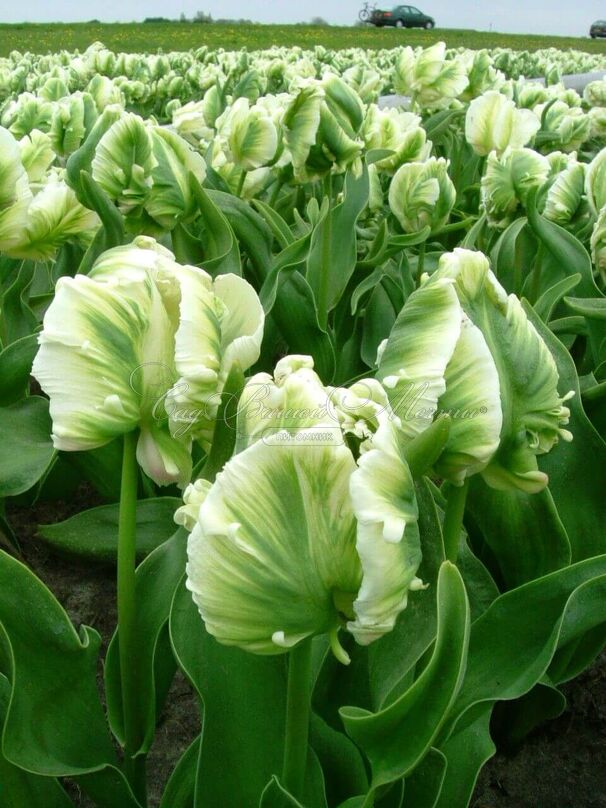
(598, 29)
(402, 17)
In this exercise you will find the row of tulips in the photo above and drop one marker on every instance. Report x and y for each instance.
(358, 356)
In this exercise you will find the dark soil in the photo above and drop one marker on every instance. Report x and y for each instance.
(562, 764)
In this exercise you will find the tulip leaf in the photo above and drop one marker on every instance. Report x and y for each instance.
(156, 581)
(18, 320)
(514, 720)
(279, 227)
(54, 723)
(99, 201)
(379, 317)
(296, 316)
(340, 759)
(512, 255)
(423, 785)
(548, 301)
(225, 431)
(252, 232)
(93, 534)
(465, 753)
(19, 787)
(244, 703)
(524, 531)
(221, 252)
(577, 470)
(101, 467)
(290, 259)
(27, 450)
(15, 368)
(508, 653)
(387, 737)
(180, 789)
(333, 250)
(276, 796)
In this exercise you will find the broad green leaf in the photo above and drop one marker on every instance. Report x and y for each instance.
(244, 703)
(54, 724)
(275, 796)
(564, 255)
(512, 256)
(548, 301)
(423, 786)
(156, 581)
(27, 450)
(291, 258)
(509, 653)
(577, 470)
(341, 761)
(18, 320)
(514, 720)
(333, 251)
(220, 247)
(252, 232)
(379, 317)
(101, 467)
(15, 368)
(523, 531)
(19, 787)
(279, 227)
(465, 753)
(295, 314)
(93, 534)
(181, 786)
(386, 737)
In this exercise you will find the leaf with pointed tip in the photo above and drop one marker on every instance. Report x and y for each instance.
(27, 450)
(386, 737)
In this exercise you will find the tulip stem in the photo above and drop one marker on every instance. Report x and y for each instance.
(241, 182)
(453, 520)
(298, 704)
(127, 629)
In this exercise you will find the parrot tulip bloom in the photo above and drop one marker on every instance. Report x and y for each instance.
(295, 538)
(422, 195)
(112, 348)
(493, 122)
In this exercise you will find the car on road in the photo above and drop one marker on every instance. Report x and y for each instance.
(598, 28)
(402, 17)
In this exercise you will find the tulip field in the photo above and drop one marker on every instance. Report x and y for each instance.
(320, 382)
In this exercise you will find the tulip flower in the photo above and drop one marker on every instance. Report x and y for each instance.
(400, 132)
(124, 161)
(121, 347)
(595, 182)
(422, 195)
(431, 80)
(565, 198)
(533, 412)
(563, 127)
(15, 193)
(598, 244)
(248, 134)
(493, 122)
(508, 180)
(294, 538)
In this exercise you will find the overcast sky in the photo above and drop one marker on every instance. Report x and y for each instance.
(565, 17)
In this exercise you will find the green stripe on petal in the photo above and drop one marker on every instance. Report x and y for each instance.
(274, 546)
(533, 411)
(413, 363)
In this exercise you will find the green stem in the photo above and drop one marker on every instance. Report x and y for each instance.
(453, 520)
(241, 182)
(275, 192)
(536, 280)
(127, 629)
(421, 261)
(298, 704)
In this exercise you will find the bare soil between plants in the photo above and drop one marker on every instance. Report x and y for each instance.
(562, 764)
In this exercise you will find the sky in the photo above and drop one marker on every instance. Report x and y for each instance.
(562, 17)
